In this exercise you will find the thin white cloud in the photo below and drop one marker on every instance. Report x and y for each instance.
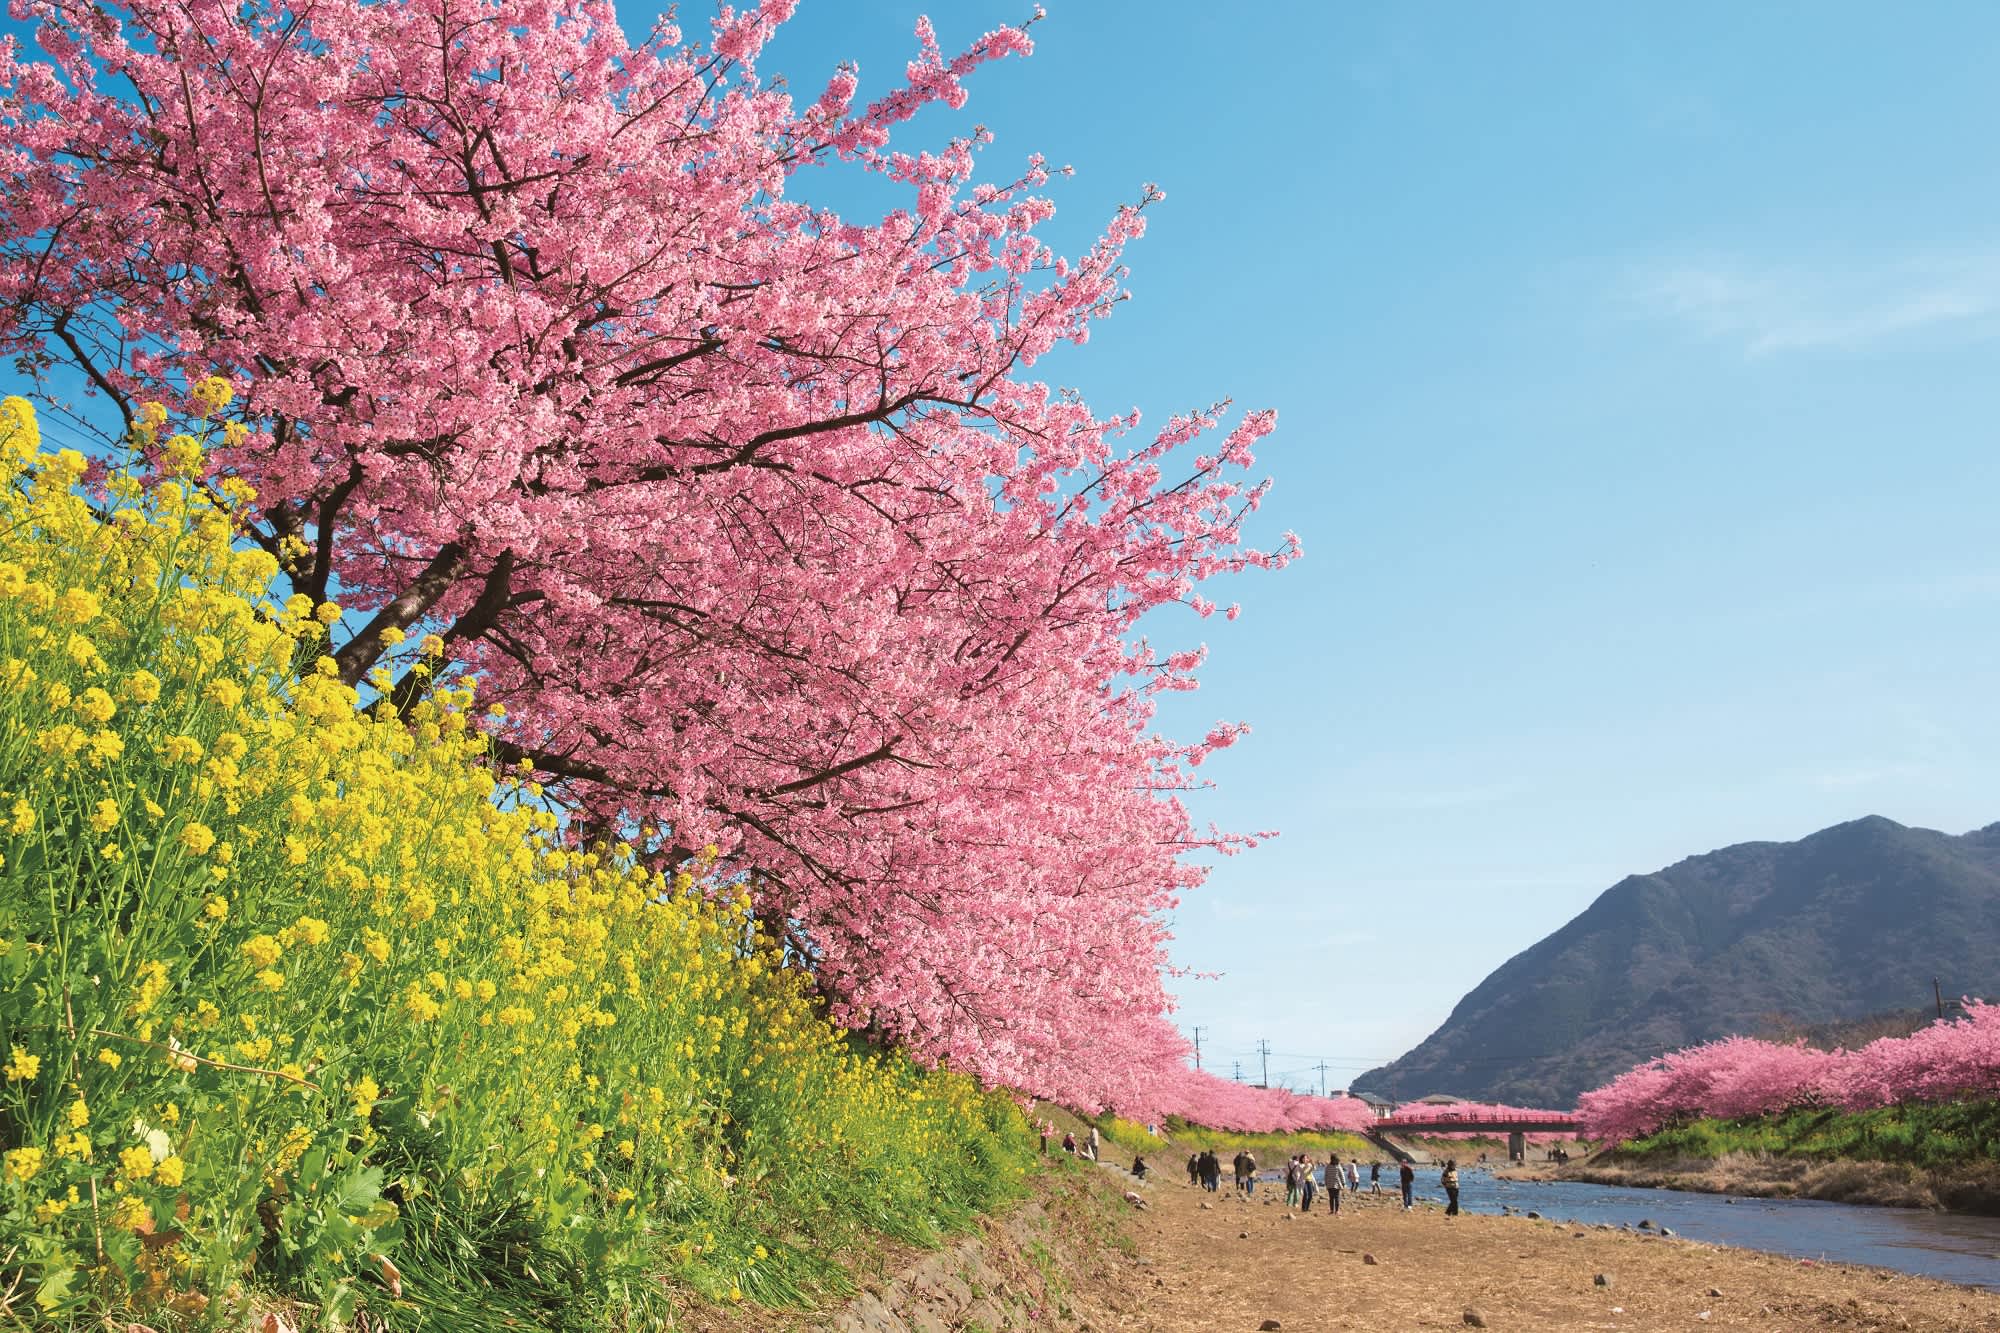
(1867, 775)
(1768, 309)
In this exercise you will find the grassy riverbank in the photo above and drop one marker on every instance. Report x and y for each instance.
(1917, 1156)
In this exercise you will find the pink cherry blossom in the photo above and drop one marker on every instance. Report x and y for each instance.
(755, 518)
(1741, 1076)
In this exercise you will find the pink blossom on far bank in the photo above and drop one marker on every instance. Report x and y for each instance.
(1742, 1076)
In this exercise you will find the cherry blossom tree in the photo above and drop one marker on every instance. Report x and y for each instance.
(1201, 1098)
(1741, 1076)
(756, 519)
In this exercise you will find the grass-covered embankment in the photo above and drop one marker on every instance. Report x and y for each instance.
(309, 1004)
(1924, 1155)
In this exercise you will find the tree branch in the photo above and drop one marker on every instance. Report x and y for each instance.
(359, 653)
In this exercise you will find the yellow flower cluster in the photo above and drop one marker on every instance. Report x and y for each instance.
(319, 926)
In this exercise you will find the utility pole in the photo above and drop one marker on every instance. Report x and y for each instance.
(1322, 1078)
(1197, 1048)
(1264, 1049)
(1238, 1075)
(1938, 991)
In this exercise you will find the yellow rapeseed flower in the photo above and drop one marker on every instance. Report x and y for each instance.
(22, 1164)
(136, 1163)
(21, 1066)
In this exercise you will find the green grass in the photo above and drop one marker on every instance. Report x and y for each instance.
(1939, 1137)
(1190, 1138)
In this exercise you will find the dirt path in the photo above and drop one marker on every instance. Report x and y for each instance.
(1235, 1264)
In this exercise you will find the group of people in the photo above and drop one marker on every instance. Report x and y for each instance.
(1204, 1168)
(1070, 1145)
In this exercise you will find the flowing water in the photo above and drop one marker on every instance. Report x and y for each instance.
(1957, 1247)
(1954, 1246)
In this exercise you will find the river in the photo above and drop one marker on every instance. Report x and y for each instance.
(1957, 1247)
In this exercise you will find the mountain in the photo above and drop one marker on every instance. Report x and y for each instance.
(1850, 922)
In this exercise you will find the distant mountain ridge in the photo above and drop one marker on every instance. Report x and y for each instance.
(1850, 922)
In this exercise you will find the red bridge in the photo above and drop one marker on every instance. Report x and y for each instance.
(1516, 1128)
(1447, 1123)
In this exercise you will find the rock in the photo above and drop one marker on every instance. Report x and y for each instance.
(1269, 1326)
(1205, 1205)
(1666, 1231)
(1714, 1292)
(1132, 1197)
(1370, 1259)
(1601, 1280)
(1243, 1235)
(1645, 1224)
(1474, 1319)
(1534, 1216)
(1286, 1218)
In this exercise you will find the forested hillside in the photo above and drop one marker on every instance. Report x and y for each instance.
(1854, 920)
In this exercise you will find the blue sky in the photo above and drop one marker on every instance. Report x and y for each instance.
(1636, 393)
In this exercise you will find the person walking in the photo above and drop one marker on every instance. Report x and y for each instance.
(1292, 1183)
(1211, 1171)
(1194, 1168)
(1305, 1185)
(1236, 1163)
(1354, 1175)
(1250, 1173)
(1450, 1182)
(1374, 1177)
(1409, 1179)
(1333, 1185)
(1093, 1143)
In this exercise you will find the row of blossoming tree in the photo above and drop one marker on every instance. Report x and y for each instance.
(1951, 1059)
(759, 521)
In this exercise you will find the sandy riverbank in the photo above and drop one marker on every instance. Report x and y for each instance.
(1235, 1264)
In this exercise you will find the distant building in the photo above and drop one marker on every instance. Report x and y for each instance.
(1381, 1107)
(1438, 1099)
